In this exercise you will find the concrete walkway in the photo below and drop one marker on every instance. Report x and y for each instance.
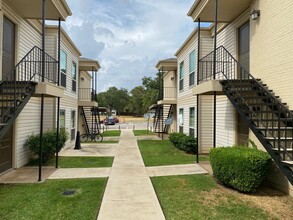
(129, 193)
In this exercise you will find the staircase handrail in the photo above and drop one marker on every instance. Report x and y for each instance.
(26, 71)
(246, 72)
(224, 53)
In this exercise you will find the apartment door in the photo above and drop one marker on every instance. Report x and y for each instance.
(8, 55)
(243, 46)
(8, 52)
(6, 152)
(243, 59)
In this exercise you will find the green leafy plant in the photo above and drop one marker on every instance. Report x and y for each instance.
(183, 142)
(241, 168)
(49, 143)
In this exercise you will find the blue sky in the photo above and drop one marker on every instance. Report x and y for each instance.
(128, 37)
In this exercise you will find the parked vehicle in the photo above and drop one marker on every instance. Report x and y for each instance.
(116, 120)
(109, 121)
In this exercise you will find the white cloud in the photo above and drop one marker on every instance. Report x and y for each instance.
(128, 37)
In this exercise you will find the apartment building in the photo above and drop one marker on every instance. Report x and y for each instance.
(165, 119)
(88, 111)
(250, 65)
(23, 85)
(27, 90)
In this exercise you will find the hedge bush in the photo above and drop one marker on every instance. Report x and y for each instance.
(241, 168)
(49, 143)
(183, 142)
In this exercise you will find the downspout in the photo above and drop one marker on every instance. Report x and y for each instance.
(42, 96)
(197, 82)
(58, 98)
(214, 69)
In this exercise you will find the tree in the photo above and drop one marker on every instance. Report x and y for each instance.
(136, 100)
(151, 91)
(114, 98)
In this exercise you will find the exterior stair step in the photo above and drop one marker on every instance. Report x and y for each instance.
(281, 149)
(288, 163)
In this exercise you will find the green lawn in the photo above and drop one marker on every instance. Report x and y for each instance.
(163, 152)
(46, 200)
(198, 197)
(142, 132)
(77, 162)
(111, 133)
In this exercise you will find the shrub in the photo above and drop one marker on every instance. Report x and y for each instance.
(49, 143)
(241, 168)
(183, 142)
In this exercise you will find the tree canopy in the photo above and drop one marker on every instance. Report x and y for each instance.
(136, 102)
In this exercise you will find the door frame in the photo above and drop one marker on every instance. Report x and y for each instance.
(16, 53)
(236, 114)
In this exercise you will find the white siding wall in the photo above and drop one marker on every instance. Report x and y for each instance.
(225, 122)
(70, 100)
(185, 98)
(205, 140)
(49, 113)
(27, 123)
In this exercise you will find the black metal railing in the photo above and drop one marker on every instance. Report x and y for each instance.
(87, 94)
(225, 64)
(17, 82)
(266, 111)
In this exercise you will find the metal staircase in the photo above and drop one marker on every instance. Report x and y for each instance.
(169, 115)
(270, 120)
(17, 87)
(158, 119)
(161, 114)
(92, 119)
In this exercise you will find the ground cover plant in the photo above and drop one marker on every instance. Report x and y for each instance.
(241, 168)
(46, 200)
(199, 197)
(142, 132)
(111, 133)
(163, 152)
(77, 162)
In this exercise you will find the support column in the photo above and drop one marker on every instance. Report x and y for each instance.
(214, 67)
(197, 82)
(42, 96)
(58, 98)
(92, 96)
(162, 105)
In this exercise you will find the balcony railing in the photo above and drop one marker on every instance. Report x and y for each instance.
(168, 93)
(86, 94)
(225, 63)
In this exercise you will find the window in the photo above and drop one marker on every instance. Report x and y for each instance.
(73, 75)
(191, 117)
(181, 75)
(191, 68)
(62, 118)
(180, 120)
(191, 121)
(63, 67)
(191, 132)
(72, 124)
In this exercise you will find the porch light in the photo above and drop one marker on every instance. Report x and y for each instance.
(255, 14)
